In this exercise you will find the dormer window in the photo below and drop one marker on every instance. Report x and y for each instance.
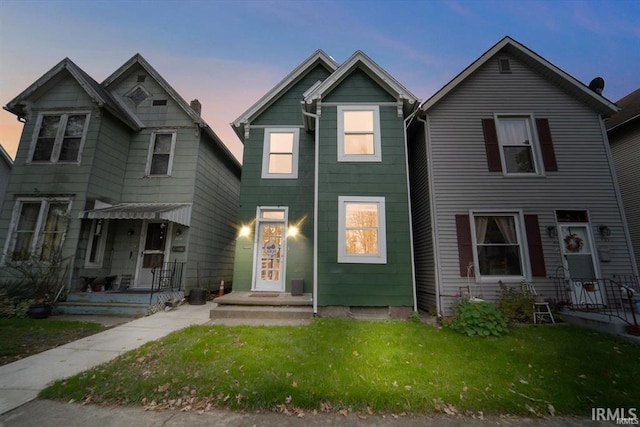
(60, 138)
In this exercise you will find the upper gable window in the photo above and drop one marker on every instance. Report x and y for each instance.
(518, 147)
(138, 95)
(359, 133)
(280, 153)
(161, 150)
(60, 138)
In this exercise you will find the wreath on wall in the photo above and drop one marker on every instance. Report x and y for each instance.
(573, 243)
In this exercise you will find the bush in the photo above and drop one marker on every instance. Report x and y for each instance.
(515, 305)
(15, 298)
(478, 318)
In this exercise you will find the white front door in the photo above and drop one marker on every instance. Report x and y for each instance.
(270, 254)
(153, 243)
(578, 253)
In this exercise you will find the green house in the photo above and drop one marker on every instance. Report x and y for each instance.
(124, 178)
(324, 203)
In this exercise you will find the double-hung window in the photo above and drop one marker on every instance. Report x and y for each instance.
(37, 228)
(518, 145)
(280, 153)
(498, 245)
(60, 137)
(161, 150)
(362, 230)
(359, 133)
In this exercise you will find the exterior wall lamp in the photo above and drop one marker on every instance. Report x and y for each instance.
(552, 231)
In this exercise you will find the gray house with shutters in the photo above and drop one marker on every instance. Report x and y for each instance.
(623, 129)
(124, 177)
(511, 181)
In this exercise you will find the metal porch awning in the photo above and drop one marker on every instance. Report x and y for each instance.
(179, 213)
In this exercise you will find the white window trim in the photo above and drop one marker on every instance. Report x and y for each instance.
(533, 139)
(152, 141)
(36, 244)
(377, 141)
(266, 152)
(381, 258)
(522, 241)
(101, 244)
(255, 270)
(55, 152)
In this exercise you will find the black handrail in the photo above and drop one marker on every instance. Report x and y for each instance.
(166, 277)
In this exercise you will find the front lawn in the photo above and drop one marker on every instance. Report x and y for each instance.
(367, 367)
(20, 338)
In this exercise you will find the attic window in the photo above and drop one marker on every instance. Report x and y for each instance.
(138, 95)
(504, 64)
(141, 78)
(158, 102)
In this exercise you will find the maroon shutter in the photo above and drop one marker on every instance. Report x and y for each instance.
(546, 145)
(491, 145)
(465, 246)
(536, 254)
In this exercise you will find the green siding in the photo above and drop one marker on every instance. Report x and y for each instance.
(296, 194)
(387, 284)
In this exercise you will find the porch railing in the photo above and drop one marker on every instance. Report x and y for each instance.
(616, 297)
(167, 277)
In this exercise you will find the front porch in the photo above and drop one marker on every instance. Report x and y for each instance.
(259, 308)
(130, 302)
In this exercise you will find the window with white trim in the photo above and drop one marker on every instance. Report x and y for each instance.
(37, 228)
(518, 146)
(362, 230)
(60, 137)
(280, 153)
(498, 245)
(359, 133)
(161, 151)
(97, 241)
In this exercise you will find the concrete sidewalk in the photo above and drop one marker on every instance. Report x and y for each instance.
(21, 381)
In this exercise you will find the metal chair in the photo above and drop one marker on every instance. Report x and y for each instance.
(541, 309)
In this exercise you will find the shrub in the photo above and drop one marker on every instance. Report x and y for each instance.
(15, 298)
(515, 305)
(478, 318)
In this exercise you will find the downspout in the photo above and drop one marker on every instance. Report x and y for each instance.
(315, 206)
(616, 187)
(406, 161)
(432, 208)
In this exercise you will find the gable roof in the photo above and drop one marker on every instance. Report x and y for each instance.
(19, 104)
(5, 157)
(319, 57)
(629, 111)
(359, 60)
(538, 63)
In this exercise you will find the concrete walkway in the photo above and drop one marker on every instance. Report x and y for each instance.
(21, 381)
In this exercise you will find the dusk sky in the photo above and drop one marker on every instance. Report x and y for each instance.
(228, 54)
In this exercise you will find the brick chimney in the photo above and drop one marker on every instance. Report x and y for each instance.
(196, 106)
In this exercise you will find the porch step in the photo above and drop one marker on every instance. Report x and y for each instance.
(273, 299)
(597, 322)
(261, 315)
(102, 308)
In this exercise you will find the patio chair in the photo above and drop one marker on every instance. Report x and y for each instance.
(541, 309)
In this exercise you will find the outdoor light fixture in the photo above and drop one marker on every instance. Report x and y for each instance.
(604, 231)
(552, 231)
(292, 231)
(245, 231)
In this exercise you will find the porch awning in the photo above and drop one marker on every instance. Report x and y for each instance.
(179, 213)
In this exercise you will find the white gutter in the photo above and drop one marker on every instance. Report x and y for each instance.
(616, 187)
(432, 207)
(406, 161)
(315, 207)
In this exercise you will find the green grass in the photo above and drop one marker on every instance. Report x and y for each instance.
(20, 338)
(333, 365)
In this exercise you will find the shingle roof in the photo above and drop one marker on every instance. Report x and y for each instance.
(629, 111)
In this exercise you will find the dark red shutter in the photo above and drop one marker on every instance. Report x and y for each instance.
(465, 245)
(546, 145)
(491, 145)
(536, 254)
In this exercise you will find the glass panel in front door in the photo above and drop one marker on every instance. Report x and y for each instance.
(577, 250)
(270, 257)
(153, 253)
